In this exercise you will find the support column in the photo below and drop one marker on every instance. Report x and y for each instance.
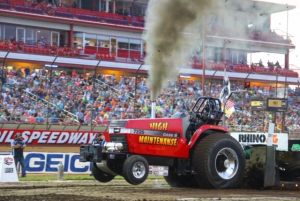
(114, 6)
(100, 5)
(71, 36)
(107, 6)
(287, 59)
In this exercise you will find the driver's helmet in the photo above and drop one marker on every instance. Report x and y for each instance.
(179, 114)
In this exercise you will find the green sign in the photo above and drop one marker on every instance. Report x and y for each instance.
(295, 147)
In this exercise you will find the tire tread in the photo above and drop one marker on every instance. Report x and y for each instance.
(200, 159)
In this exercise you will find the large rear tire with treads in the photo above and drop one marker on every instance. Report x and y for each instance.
(218, 162)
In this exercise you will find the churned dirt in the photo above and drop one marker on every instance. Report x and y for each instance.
(119, 190)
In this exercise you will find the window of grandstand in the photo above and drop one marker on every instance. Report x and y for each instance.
(130, 8)
(43, 38)
(103, 41)
(89, 5)
(67, 3)
(123, 7)
(78, 40)
(30, 36)
(211, 54)
(54, 38)
(9, 32)
(123, 43)
(90, 43)
(129, 48)
(20, 37)
(135, 44)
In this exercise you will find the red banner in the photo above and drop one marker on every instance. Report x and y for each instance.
(36, 137)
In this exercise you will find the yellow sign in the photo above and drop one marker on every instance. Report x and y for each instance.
(157, 140)
(162, 126)
(275, 103)
(256, 103)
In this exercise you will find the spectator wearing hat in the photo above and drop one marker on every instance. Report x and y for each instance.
(98, 141)
(18, 145)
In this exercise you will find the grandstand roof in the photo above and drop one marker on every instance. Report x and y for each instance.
(250, 6)
(268, 7)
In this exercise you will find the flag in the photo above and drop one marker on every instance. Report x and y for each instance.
(229, 108)
(226, 91)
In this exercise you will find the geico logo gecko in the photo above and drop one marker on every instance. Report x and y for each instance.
(162, 126)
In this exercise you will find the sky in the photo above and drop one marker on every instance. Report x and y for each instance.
(279, 24)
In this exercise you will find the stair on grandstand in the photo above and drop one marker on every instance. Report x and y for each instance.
(49, 104)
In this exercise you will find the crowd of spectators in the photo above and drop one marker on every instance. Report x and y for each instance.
(71, 98)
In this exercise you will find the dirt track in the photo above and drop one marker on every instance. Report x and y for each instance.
(120, 190)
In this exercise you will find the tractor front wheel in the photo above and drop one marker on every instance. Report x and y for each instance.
(135, 169)
(100, 175)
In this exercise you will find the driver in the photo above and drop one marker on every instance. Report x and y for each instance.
(179, 113)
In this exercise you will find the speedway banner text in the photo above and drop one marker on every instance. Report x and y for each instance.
(36, 137)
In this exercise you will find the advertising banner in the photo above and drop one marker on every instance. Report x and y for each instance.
(280, 140)
(7, 169)
(40, 137)
(42, 162)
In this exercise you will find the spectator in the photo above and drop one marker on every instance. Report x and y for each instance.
(18, 145)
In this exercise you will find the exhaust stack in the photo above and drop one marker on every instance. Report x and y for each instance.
(153, 105)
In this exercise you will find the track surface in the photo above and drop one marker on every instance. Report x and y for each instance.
(119, 190)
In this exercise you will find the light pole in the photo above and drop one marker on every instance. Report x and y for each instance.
(203, 60)
(135, 86)
(210, 83)
(93, 91)
(2, 74)
(287, 21)
(49, 88)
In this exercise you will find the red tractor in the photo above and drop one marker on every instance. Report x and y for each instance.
(195, 149)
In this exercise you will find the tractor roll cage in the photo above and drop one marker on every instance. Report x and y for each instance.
(208, 110)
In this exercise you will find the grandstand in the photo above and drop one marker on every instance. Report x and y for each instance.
(82, 63)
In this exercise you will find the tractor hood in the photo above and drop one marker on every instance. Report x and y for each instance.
(167, 125)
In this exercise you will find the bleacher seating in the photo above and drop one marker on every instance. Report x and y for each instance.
(114, 92)
(135, 54)
(124, 55)
(4, 5)
(63, 14)
(83, 14)
(28, 9)
(90, 49)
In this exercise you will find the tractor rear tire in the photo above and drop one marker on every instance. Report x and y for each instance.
(101, 176)
(135, 169)
(218, 162)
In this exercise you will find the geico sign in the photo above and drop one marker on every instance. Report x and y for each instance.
(48, 137)
(41, 162)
